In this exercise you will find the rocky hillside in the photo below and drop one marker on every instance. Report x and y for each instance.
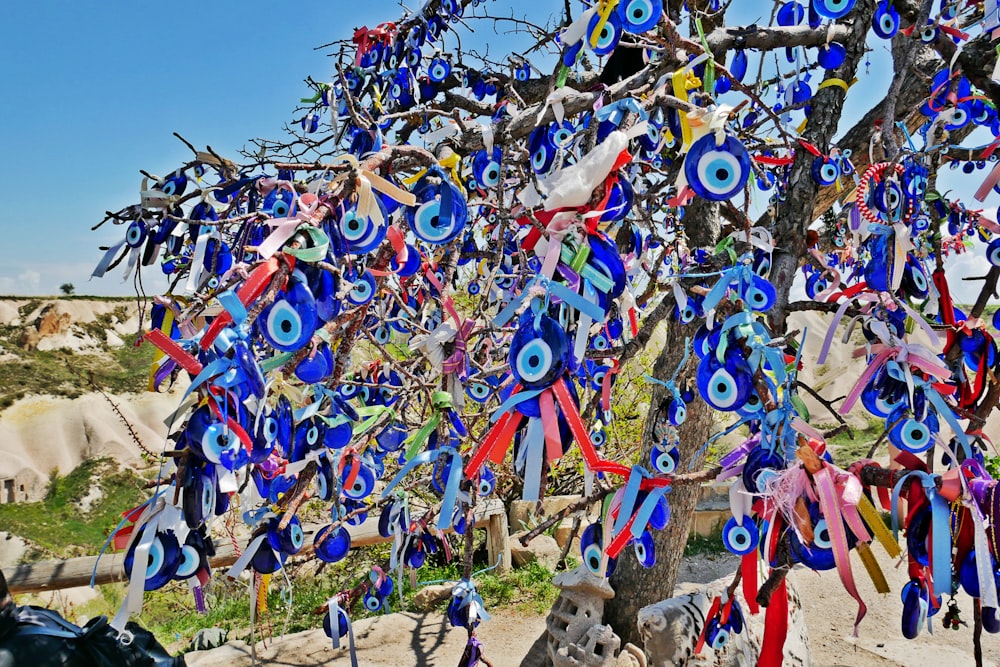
(54, 356)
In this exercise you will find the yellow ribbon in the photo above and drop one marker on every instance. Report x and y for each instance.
(840, 83)
(604, 10)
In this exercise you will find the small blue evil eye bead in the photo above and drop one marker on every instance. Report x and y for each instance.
(486, 168)
(372, 602)
(414, 556)
(993, 252)
(885, 20)
(664, 459)
(724, 386)
(174, 184)
(908, 434)
(135, 235)
(487, 482)
(717, 173)
(479, 392)
(541, 150)
(363, 485)
(361, 233)
(191, 560)
(571, 53)
(639, 16)
(677, 412)
(310, 122)
(289, 540)
(831, 56)
(161, 564)
(740, 538)
(716, 636)
(591, 549)
(761, 295)
(645, 550)
(929, 33)
(341, 622)
(815, 284)
(363, 290)
(825, 171)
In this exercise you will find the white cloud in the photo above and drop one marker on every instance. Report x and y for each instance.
(27, 282)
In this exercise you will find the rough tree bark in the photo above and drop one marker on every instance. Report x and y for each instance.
(827, 106)
(635, 586)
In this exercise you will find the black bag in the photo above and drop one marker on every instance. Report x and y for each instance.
(37, 637)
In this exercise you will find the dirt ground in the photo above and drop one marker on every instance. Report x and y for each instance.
(427, 639)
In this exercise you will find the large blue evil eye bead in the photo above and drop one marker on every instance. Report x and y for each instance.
(831, 56)
(332, 544)
(833, 9)
(608, 36)
(538, 355)
(645, 550)
(740, 538)
(441, 211)
(724, 386)
(289, 322)
(639, 16)
(885, 21)
(790, 13)
(714, 172)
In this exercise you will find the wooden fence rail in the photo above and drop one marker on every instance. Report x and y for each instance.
(58, 574)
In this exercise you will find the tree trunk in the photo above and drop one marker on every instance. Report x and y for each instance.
(635, 586)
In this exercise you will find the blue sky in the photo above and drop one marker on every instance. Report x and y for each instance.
(93, 92)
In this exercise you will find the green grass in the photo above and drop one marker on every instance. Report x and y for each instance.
(846, 451)
(705, 545)
(69, 374)
(170, 614)
(59, 526)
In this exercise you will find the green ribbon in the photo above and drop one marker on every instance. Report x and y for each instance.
(320, 245)
(441, 400)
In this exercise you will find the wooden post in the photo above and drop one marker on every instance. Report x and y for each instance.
(498, 542)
